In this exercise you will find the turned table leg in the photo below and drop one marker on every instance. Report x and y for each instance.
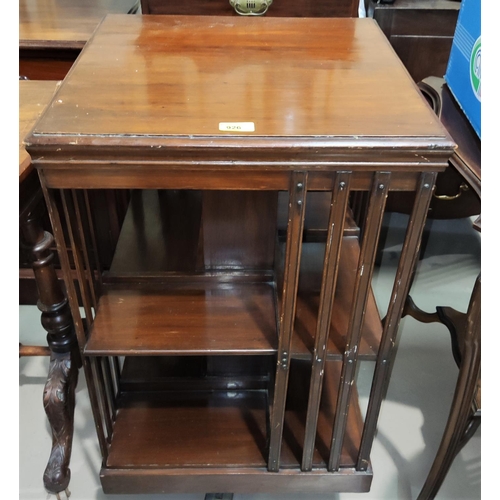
(59, 393)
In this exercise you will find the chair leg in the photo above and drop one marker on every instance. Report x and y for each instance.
(462, 406)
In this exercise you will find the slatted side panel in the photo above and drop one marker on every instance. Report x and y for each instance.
(337, 217)
(372, 226)
(70, 237)
(402, 282)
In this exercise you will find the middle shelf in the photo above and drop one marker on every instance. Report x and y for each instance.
(187, 318)
(149, 306)
(210, 317)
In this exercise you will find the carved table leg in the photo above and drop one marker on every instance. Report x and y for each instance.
(59, 405)
(59, 393)
(462, 422)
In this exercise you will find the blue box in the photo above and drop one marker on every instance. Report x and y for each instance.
(463, 74)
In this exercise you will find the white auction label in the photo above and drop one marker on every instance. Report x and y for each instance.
(237, 126)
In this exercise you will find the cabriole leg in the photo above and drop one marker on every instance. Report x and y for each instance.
(59, 393)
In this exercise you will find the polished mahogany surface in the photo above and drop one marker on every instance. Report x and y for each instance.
(182, 76)
(224, 428)
(185, 319)
(67, 23)
(33, 98)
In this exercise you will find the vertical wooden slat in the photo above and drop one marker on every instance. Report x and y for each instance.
(104, 401)
(95, 249)
(330, 269)
(371, 233)
(101, 418)
(80, 270)
(387, 350)
(296, 211)
(108, 386)
(84, 249)
(59, 238)
(115, 365)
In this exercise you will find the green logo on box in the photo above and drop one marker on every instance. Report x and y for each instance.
(475, 69)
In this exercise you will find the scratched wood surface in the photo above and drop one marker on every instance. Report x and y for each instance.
(183, 75)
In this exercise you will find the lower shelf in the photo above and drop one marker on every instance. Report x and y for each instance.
(164, 437)
(190, 429)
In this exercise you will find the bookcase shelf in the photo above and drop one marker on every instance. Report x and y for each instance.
(186, 319)
(175, 426)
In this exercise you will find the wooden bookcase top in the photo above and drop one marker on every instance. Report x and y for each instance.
(141, 79)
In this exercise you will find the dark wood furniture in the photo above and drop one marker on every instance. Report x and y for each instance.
(52, 33)
(221, 355)
(465, 414)
(466, 159)
(59, 392)
(465, 328)
(420, 31)
(280, 8)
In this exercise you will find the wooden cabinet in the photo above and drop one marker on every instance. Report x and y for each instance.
(420, 31)
(280, 8)
(220, 348)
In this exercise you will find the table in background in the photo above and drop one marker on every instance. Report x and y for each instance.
(52, 33)
(465, 328)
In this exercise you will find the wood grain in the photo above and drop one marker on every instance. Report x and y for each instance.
(237, 480)
(190, 429)
(68, 24)
(198, 428)
(239, 229)
(34, 96)
(160, 232)
(258, 70)
(185, 319)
